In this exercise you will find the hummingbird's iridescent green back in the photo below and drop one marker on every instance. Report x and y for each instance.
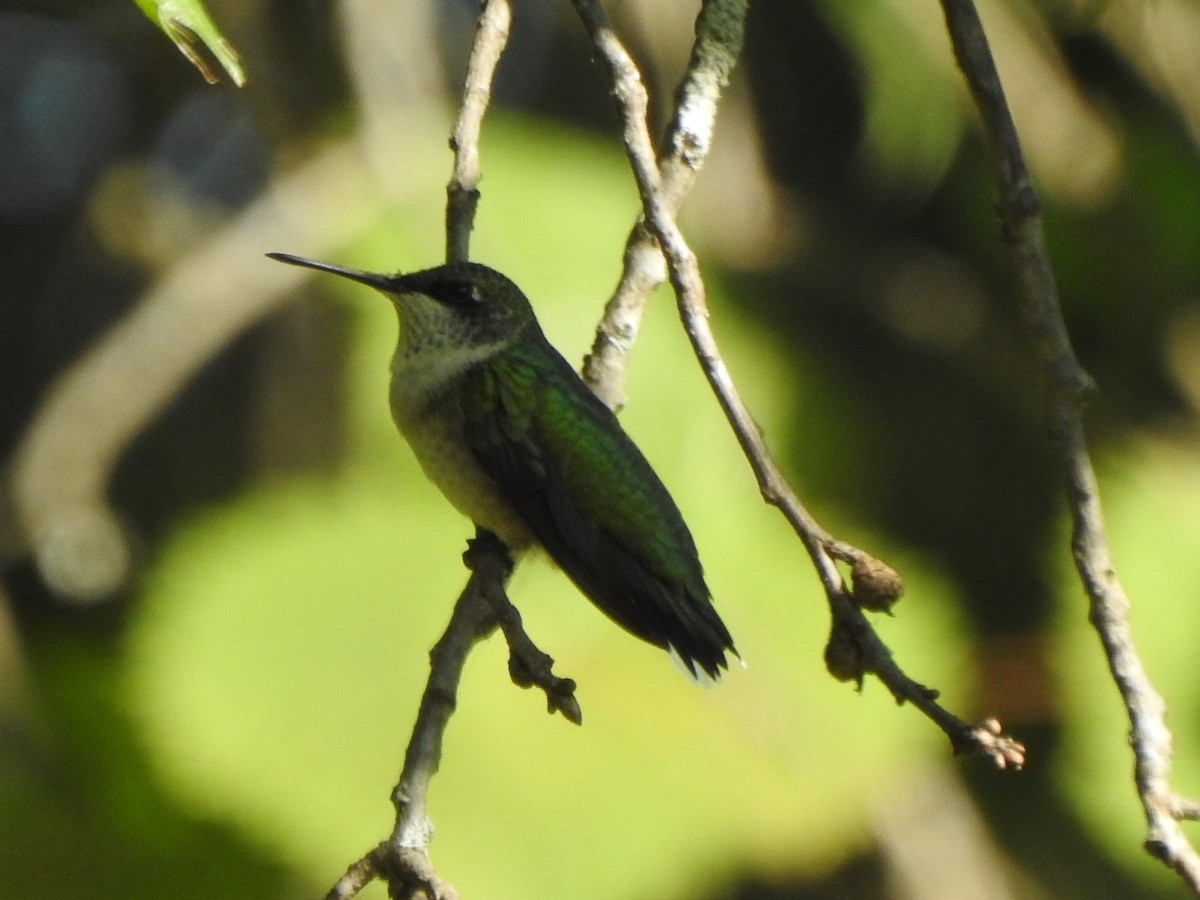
(587, 493)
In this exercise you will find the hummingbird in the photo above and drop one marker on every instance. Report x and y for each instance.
(501, 423)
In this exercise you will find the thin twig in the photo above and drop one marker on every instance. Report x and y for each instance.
(473, 617)
(462, 193)
(1068, 387)
(720, 29)
(854, 649)
(358, 876)
(471, 621)
(403, 859)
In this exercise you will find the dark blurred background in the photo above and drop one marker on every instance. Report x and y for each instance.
(845, 222)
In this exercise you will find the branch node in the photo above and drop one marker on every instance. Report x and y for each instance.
(411, 876)
(845, 659)
(875, 585)
(358, 875)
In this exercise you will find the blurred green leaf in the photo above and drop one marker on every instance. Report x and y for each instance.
(188, 24)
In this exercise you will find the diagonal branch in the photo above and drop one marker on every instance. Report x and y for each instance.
(720, 31)
(1068, 387)
(854, 648)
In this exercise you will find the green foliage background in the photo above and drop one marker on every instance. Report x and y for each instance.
(236, 730)
(311, 604)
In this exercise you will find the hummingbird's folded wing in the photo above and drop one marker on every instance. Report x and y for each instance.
(562, 462)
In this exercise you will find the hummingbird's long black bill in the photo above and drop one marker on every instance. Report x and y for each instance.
(382, 282)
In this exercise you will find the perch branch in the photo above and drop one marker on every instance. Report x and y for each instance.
(1068, 388)
(403, 860)
(854, 648)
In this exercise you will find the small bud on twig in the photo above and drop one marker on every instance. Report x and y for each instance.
(875, 585)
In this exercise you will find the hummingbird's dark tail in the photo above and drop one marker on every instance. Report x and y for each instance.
(696, 638)
(674, 615)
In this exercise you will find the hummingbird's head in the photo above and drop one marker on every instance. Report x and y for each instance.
(455, 305)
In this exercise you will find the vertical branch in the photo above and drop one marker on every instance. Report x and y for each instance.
(473, 618)
(403, 859)
(462, 193)
(1068, 386)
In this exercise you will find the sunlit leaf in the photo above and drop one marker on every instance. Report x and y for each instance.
(188, 24)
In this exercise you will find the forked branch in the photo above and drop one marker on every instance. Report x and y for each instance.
(720, 31)
(854, 649)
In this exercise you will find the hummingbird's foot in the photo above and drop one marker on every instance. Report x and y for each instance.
(486, 546)
(528, 665)
(560, 692)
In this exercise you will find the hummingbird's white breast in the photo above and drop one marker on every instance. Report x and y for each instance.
(427, 371)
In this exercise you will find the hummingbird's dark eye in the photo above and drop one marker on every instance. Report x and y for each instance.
(459, 293)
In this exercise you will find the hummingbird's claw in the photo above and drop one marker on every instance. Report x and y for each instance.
(562, 700)
(528, 667)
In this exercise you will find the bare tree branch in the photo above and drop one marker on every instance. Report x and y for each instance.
(720, 31)
(854, 648)
(462, 194)
(409, 875)
(1068, 387)
(471, 621)
(403, 859)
